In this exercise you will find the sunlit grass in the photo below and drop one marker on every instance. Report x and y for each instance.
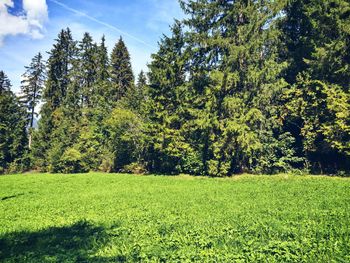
(112, 217)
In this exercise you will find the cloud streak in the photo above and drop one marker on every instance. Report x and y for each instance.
(101, 22)
(30, 23)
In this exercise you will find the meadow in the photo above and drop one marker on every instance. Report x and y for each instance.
(100, 217)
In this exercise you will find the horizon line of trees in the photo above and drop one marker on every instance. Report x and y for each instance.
(238, 86)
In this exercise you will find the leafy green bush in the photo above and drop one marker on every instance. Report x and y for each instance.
(125, 137)
(72, 161)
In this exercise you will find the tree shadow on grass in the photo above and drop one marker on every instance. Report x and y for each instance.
(76, 243)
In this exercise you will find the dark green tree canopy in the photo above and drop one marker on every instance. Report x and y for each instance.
(13, 132)
(121, 73)
(237, 86)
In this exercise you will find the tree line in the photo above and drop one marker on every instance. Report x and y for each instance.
(237, 86)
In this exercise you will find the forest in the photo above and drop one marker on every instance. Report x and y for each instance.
(238, 86)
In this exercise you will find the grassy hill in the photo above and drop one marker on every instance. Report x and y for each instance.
(122, 218)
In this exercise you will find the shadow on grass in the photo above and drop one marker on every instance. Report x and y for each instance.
(76, 243)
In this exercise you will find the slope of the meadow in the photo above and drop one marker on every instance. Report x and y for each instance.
(124, 218)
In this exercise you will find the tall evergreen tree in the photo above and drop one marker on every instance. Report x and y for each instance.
(5, 83)
(296, 30)
(87, 70)
(135, 97)
(32, 87)
(103, 84)
(167, 104)
(59, 66)
(102, 61)
(13, 122)
(121, 72)
(237, 78)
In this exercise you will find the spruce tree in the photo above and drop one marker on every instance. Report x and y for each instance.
(13, 135)
(32, 87)
(87, 71)
(167, 104)
(122, 77)
(103, 84)
(59, 66)
(135, 98)
(296, 32)
(5, 83)
(237, 78)
(102, 61)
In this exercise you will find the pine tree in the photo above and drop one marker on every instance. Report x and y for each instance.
(32, 87)
(167, 104)
(5, 84)
(135, 97)
(87, 69)
(121, 72)
(296, 30)
(13, 135)
(103, 84)
(237, 78)
(102, 61)
(330, 59)
(59, 66)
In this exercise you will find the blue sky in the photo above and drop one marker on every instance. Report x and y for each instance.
(30, 26)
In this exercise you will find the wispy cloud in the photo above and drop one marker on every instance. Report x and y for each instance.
(126, 34)
(165, 13)
(30, 22)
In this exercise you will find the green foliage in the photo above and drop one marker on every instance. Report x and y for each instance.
(122, 77)
(323, 110)
(125, 137)
(72, 161)
(134, 168)
(32, 86)
(13, 133)
(237, 86)
(316, 36)
(136, 97)
(59, 67)
(115, 217)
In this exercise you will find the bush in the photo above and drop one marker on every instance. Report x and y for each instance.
(72, 161)
(134, 168)
(125, 137)
(106, 162)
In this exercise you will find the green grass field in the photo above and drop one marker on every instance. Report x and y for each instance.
(124, 218)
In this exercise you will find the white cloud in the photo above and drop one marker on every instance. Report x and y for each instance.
(29, 23)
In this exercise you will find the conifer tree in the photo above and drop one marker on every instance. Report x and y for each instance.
(59, 66)
(296, 32)
(87, 71)
(32, 87)
(167, 104)
(237, 75)
(5, 83)
(13, 122)
(135, 98)
(122, 77)
(102, 61)
(103, 84)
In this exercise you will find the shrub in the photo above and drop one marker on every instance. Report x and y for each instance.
(134, 168)
(72, 161)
